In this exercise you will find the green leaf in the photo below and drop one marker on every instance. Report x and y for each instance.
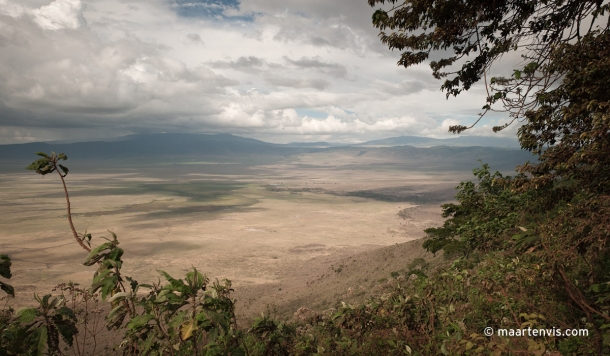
(108, 285)
(65, 321)
(42, 154)
(237, 352)
(67, 332)
(7, 288)
(531, 67)
(99, 277)
(118, 296)
(94, 255)
(5, 266)
(115, 254)
(160, 299)
(195, 279)
(175, 299)
(38, 165)
(379, 17)
(148, 343)
(600, 288)
(444, 350)
(46, 170)
(42, 341)
(64, 169)
(133, 284)
(5, 271)
(171, 279)
(54, 302)
(139, 321)
(116, 316)
(177, 319)
(517, 74)
(26, 315)
(66, 313)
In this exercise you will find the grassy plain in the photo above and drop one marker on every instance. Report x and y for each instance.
(271, 228)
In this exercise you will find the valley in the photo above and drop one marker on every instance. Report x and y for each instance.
(274, 219)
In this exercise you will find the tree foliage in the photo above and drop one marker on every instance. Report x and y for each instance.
(470, 36)
(553, 217)
(483, 212)
(5, 271)
(571, 128)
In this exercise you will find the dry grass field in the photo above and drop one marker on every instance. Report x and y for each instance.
(275, 230)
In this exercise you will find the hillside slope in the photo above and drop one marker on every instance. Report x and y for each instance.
(323, 282)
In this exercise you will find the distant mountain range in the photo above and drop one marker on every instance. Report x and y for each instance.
(312, 144)
(150, 145)
(155, 148)
(171, 144)
(460, 141)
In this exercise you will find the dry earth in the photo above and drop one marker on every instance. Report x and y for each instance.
(287, 235)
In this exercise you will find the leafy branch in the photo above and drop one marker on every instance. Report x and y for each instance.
(49, 164)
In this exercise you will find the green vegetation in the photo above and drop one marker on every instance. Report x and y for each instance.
(510, 265)
(386, 195)
(180, 316)
(529, 251)
(532, 249)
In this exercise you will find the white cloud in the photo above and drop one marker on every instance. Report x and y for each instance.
(110, 67)
(60, 14)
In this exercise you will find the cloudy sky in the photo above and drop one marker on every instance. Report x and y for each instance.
(277, 70)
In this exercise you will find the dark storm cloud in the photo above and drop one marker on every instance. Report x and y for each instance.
(250, 66)
(319, 84)
(240, 64)
(405, 87)
(194, 38)
(319, 37)
(333, 69)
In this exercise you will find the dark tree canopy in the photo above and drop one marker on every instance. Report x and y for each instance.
(561, 91)
(554, 215)
(571, 127)
(472, 35)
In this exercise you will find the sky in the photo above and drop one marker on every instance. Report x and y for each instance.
(280, 71)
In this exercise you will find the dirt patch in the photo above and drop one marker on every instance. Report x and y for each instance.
(323, 282)
(308, 248)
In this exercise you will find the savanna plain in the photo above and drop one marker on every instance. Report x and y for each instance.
(275, 229)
